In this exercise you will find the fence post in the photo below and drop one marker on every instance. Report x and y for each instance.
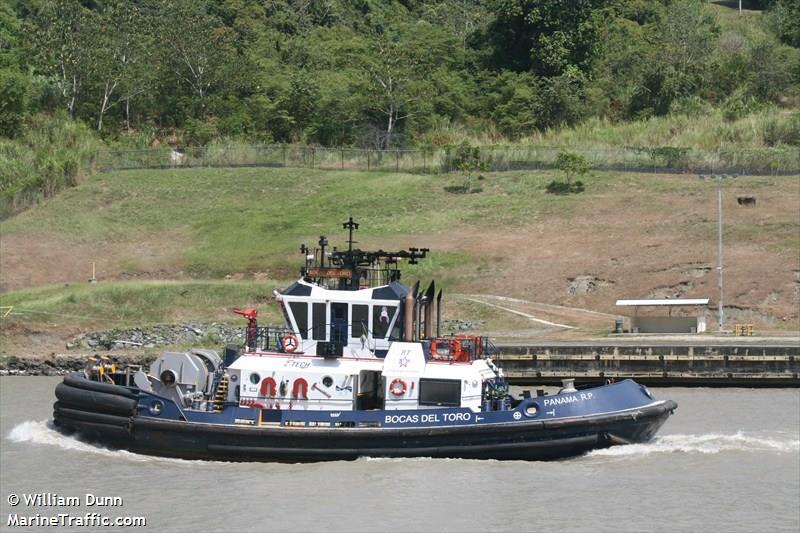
(313, 157)
(368, 162)
(397, 160)
(342, 158)
(284, 155)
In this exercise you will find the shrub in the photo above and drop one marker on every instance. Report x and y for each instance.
(200, 132)
(777, 131)
(467, 159)
(572, 165)
(13, 101)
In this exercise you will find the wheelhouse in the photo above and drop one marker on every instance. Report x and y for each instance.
(360, 323)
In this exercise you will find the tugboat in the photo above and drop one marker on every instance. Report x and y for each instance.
(357, 370)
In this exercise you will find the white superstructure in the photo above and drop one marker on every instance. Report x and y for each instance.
(404, 379)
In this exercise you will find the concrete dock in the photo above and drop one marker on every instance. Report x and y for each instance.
(745, 364)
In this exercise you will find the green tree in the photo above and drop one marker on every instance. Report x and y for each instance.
(198, 49)
(515, 102)
(396, 63)
(784, 17)
(572, 165)
(64, 47)
(123, 58)
(467, 160)
(545, 36)
(14, 87)
(14, 82)
(687, 34)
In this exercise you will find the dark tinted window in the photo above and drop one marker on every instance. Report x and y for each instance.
(360, 320)
(339, 323)
(398, 324)
(440, 392)
(300, 312)
(318, 321)
(381, 318)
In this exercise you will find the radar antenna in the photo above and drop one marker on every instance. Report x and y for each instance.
(354, 268)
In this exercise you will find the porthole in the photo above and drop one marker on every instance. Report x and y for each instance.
(532, 410)
(156, 407)
(255, 379)
(234, 377)
(327, 381)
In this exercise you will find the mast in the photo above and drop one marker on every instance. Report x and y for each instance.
(353, 269)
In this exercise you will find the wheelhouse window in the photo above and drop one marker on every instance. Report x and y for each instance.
(440, 392)
(360, 320)
(300, 313)
(381, 319)
(319, 321)
(398, 323)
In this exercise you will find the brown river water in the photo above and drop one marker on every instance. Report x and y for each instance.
(728, 460)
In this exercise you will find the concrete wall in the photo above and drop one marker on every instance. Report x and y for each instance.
(666, 324)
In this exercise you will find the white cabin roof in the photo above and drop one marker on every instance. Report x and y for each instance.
(322, 294)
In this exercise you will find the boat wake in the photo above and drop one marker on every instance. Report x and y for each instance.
(709, 443)
(45, 433)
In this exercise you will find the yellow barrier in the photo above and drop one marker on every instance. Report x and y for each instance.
(743, 330)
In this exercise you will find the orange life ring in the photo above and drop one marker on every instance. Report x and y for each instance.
(397, 387)
(435, 349)
(460, 353)
(290, 343)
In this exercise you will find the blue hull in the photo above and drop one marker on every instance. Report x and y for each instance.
(548, 427)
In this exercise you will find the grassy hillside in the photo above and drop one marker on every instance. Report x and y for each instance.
(214, 222)
(628, 235)
(702, 128)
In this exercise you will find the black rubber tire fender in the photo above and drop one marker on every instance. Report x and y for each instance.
(97, 418)
(77, 380)
(97, 432)
(87, 400)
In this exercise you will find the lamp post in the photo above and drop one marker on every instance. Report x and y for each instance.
(720, 254)
(719, 250)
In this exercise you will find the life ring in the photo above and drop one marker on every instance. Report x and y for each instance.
(397, 387)
(290, 343)
(460, 353)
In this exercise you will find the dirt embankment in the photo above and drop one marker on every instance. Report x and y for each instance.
(567, 268)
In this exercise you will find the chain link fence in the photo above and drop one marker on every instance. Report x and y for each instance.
(767, 161)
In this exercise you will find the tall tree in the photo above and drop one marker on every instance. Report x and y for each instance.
(545, 36)
(397, 62)
(14, 83)
(199, 47)
(123, 59)
(64, 46)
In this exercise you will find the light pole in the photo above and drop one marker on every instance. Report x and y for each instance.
(719, 250)
(720, 254)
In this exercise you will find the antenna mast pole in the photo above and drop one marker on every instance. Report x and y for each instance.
(350, 225)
